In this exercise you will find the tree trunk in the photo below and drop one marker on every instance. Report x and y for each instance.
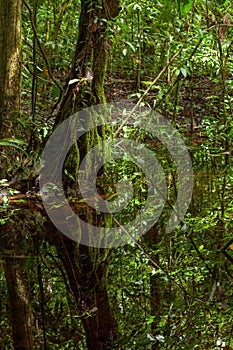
(10, 72)
(15, 268)
(152, 240)
(16, 278)
(86, 267)
(10, 98)
(90, 59)
(87, 274)
(101, 327)
(10, 63)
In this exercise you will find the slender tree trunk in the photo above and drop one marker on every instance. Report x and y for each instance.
(10, 97)
(10, 72)
(16, 278)
(10, 63)
(15, 268)
(152, 240)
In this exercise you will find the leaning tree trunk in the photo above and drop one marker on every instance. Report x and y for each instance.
(11, 240)
(85, 86)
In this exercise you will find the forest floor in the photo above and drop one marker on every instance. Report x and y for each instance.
(194, 103)
(197, 99)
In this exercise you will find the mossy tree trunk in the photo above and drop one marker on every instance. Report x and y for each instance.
(90, 59)
(86, 267)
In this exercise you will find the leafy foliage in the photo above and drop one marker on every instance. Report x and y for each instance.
(187, 268)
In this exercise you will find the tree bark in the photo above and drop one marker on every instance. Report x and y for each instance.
(88, 274)
(90, 59)
(88, 278)
(10, 103)
(15, 268)
(10, 63)
(10, 72)
(16, 278)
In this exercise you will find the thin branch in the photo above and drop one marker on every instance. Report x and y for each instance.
(147, 91)
(40, 46)
(154, 263)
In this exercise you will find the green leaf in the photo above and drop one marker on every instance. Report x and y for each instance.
(223, 2)
(184, 6)
(20, 142)
(131, 46)
(150, 319)
(184, 71)
(10, 144)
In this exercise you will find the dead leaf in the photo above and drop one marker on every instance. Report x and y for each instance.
(89, 75)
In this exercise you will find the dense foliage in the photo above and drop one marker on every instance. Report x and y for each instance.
(175, 293)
